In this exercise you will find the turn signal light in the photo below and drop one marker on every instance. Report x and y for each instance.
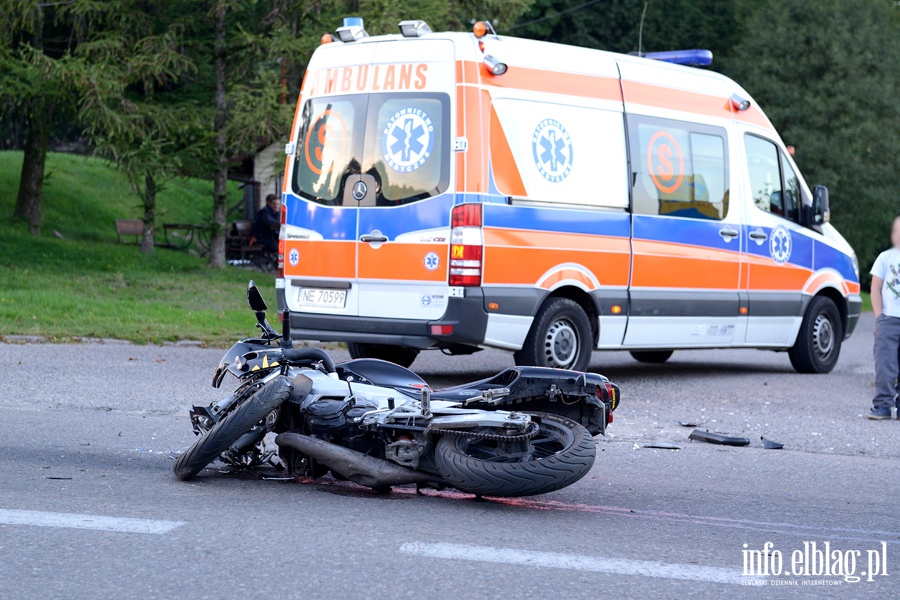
(480, 29)
(616, 309)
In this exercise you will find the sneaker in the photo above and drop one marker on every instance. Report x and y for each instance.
(879, 413)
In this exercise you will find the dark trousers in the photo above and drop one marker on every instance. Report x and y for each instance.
(887, 360)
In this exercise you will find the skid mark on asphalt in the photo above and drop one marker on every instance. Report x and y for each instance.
(842, 533)
(576, 562)
(96, 522)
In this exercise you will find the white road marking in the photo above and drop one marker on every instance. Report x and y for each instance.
(75, 521)
(553, 560)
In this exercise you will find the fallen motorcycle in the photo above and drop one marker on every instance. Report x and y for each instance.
(525, 431)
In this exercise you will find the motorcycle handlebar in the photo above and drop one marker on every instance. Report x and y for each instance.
(286, 341)
(301, 355)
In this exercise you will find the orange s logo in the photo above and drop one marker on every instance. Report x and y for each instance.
(327, 126)
(659, 163)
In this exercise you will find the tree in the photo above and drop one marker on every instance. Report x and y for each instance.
(34, 38)
(826, 73)
(614, 25)
(131, 111)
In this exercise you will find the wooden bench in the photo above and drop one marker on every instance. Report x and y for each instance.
(241, 244)
(129, 227)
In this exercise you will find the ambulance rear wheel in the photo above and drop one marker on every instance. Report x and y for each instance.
(560, 337)
(395, 354)
(818, 344)
(653, 357)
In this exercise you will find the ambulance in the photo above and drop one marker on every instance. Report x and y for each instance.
(461, 191)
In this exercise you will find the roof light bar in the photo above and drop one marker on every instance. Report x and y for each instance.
(414, 29)
(352, 30)
(691, 58)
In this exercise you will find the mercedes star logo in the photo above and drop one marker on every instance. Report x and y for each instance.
(359, 191)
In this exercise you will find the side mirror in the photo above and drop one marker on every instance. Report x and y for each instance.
(255, 299)
(821, 209)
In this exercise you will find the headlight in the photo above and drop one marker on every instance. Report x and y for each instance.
(855, 265)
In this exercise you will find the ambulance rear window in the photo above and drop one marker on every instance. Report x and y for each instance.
(399, 139)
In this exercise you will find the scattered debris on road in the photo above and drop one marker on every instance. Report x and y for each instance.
(770, 445)
(663, 446)
(718, 438)
(690, 423)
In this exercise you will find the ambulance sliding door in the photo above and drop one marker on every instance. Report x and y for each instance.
(685, 236)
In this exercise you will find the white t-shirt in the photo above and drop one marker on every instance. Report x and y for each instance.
(887, 267)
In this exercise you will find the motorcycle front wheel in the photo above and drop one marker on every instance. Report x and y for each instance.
(560, 454)
(230, 429)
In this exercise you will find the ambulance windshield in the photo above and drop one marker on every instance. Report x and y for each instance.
(398, 139)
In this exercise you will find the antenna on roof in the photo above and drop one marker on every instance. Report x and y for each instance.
(641, 30)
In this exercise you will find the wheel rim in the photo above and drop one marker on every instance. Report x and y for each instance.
(551, 439)
(823, 336)
(561, 344)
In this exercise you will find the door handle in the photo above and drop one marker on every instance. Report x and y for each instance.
(728, 234)
(373, 238)
(758, 236)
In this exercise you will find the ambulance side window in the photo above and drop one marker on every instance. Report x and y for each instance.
(678, 169)
(770, 192)
(793, 197)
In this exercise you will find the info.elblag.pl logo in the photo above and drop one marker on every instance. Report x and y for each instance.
(814, 564)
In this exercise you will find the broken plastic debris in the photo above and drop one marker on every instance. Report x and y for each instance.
(690, 423)
(770, 445)
(718, 438)
(663, 446)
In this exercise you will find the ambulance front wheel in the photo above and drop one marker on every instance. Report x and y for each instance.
(395, 354)
(818, 344)
(560, 337)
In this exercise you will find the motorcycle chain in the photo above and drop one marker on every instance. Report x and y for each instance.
(496, 437)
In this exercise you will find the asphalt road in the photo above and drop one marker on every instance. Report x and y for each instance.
(89, 507)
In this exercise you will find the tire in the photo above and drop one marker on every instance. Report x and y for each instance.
(818, 344)
(239, 421)
(653, 357)
(395, 354)
(463, 466)
(560, 337)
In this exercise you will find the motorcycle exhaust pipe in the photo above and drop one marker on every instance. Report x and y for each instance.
(357, 467)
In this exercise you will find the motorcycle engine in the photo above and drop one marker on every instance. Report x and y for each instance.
(335, 417)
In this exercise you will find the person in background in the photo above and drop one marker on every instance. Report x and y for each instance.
(267, 223)
(886, 306)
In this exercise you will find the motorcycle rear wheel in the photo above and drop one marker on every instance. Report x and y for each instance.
(230, 429)
(560, 454)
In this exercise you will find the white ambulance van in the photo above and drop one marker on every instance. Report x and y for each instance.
(460, 191)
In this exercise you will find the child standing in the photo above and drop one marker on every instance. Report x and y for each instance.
(886, 305)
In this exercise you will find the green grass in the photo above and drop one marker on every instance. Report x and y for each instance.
(87, 285)
(867, 302)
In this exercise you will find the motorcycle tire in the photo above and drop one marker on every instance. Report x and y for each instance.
(471, 465)
(226, 432)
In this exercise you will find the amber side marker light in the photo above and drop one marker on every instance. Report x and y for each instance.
(744, 310)
(616, 309)
(493, 306)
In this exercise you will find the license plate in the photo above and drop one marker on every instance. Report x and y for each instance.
(315, 298)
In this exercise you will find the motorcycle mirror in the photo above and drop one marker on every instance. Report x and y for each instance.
(254, 298)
